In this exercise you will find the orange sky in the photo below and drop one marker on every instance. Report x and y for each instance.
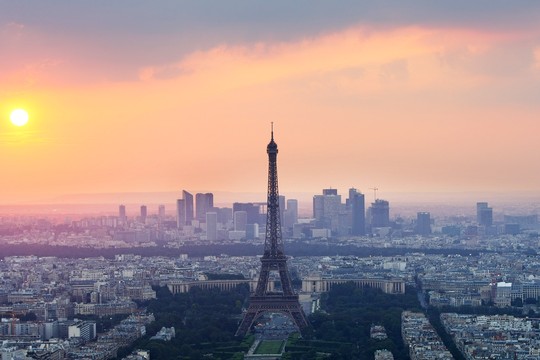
(411, 107)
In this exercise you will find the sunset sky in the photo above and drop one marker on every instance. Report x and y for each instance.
(141, 96)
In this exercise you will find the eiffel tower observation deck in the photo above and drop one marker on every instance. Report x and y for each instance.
(263, 301)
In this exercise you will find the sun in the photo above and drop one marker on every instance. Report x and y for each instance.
(19, 117)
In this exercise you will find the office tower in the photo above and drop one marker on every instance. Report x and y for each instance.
(423, 223)
(318, 207)
(328, 211)
(252, 231)
(240, 220)
(144, 213)
(358, 212)
(274, 259)
(290, 216)
(211, 226)
(252, 210)
(122, 212)
(161, 212)
(180, 213)
(479, 207)
(380, 213)
(225, 215)
(486, 217)
(484, 214)
(281, 207)
(188, 202)
(203, 204)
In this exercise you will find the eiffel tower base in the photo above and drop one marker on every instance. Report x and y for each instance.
(259, 305)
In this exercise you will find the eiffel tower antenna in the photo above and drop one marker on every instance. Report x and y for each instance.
(263, 300)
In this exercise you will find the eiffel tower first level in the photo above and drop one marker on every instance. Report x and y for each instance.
(264, 301)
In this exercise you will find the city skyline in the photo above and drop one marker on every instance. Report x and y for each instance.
(161, 97)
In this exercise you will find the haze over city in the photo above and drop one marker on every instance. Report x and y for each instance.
(143, 97)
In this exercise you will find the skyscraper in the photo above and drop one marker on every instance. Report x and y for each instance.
(423, 223)
(188, 202)
(252, 210)
(144, 213)
(484, 214)
(290, 215)
(161, 212)
(180, 213)
(358, 212)
(122, 212)
(240, 220)
(281, 207)
(327, 210)
(203, 204)
(211, 226)
(380, 213)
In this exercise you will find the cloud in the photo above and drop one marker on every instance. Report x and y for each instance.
(113, 40)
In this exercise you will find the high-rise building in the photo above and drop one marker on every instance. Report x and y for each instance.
(240, 220)
(281, 207)
(252, 210)
(252, 231)
(144, 213)
(479, 207)
(358, 212)
(328, 211)
(290, 216)
(380, 213)
(161, 212)
(486, 217)
(180, 213)
(484, 214)
(211, 226)
(122, 212)
(423, 223)
(203, 204)
(188, 199)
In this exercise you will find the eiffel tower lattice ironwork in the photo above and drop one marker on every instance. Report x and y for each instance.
(274, 259)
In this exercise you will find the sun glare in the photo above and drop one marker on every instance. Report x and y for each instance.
(19, 117)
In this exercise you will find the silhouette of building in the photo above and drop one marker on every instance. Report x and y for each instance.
(380, 213)
(203, 204)
(144, 213)
(423, 223)
(161, 212)
(188, 202)
(180, 213)
(184, 210)
(281, 207)
(357, 207)
(122, 213)
(240, 220)
(211, 226)
(329, 212)
(290, 215)
(484, 214)
(252, 210)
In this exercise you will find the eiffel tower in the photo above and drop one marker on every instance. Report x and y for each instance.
(274, 259)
